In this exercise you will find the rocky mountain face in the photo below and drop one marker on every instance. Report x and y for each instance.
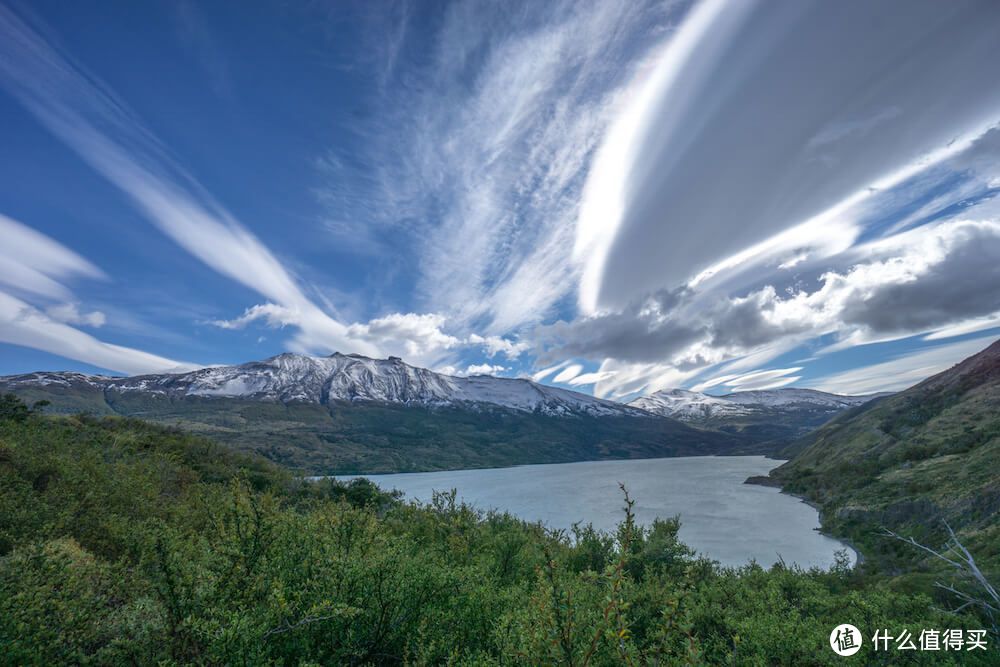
(290, 378)
(348, 413)
(772, 415)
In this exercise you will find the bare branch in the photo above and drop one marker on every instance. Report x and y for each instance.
(909, 540)
(962, 560)
(288, 627)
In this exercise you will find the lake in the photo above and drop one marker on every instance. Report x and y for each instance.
(721, 517)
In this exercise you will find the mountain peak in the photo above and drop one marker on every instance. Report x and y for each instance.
(686, 405)
(291, 377)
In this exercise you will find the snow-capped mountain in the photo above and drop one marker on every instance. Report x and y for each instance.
(289, 378)
(769, 414)
(773, 398)
(346, 414)
(687, 405)
(695, 406)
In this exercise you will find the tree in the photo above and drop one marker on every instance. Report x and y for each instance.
(13, 408)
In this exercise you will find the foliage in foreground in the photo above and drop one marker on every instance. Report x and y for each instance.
(126, 543)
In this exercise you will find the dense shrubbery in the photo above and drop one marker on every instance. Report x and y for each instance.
(125, 543)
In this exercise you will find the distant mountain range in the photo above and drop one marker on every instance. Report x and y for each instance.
(775, 416)
(349, 413)
(297, 378)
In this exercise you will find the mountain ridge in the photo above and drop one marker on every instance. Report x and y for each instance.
(775, 416)
(682, 402)
(351, 414)
(290, 377)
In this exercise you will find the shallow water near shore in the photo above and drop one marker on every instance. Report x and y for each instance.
(721, 517)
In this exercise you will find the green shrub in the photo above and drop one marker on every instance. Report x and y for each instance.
(124, 543)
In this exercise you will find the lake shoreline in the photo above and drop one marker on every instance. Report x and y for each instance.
(707, 492)
(352, 475)
(767, 480)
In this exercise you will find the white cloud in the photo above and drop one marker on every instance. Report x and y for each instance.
(472, 369)
(69, 313)
(25, 325)
(589, 378)
(713, 382)
(545, 372)
(36, 267)
(930, 278)
(83, 113)
(710, 167)
(485, 369)
(622, 380)
(690, 53)
(494, 345)
(412, 336)
(35, 264)
(478, 158)
(272, 314)
(841, 128)
(418, 338)
(760, 356)
(761, 385)
(757, 380)
(568, 373)
(965, 327)
(900, 373)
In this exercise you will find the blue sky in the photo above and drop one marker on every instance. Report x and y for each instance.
(615, 197)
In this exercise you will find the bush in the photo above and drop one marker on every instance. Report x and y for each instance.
(123, 543)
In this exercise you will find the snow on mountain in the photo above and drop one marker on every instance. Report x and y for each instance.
(794, 396)
(52, 379)
(694, 406)
(688, 405)
(339, 377)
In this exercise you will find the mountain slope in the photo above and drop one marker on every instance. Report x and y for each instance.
(772, 416)
(908, 460)
(688, 405)
(289, 378)
(347, 413)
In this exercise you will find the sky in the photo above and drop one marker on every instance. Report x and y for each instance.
(614, 197)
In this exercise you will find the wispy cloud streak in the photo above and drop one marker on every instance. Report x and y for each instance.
(85, 114)
(35, 264)
(901, 372)
(24, 325)
(38, 268)
(480, 153)
(757, 119)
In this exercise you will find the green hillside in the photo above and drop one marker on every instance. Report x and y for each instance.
(123, 542)
(372, 437)
(910, 461)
